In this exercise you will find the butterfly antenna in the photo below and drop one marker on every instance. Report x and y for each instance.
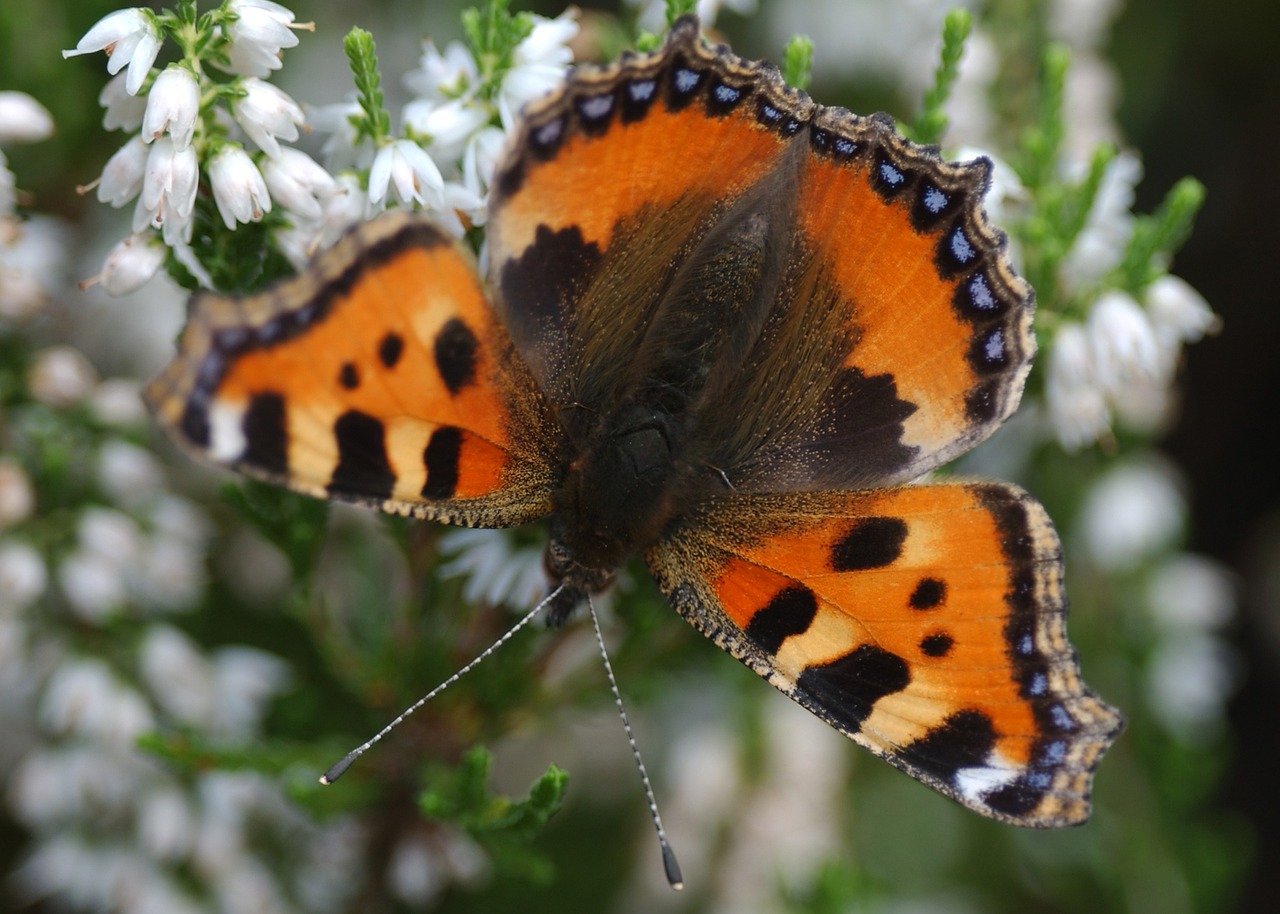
(669, 862)
(347, 760)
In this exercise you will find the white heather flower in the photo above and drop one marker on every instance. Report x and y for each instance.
(404, 165)
(244, 680)
(23, 119)
(1122, 341)
(497, 571)
(166, 824)
(118, 402)
(172, 106)
(539, 63)
(111, 534)
(1189, 681)
(170, 575)
(60, 376)
(169, 185)
(84, 696)
(1190, 593)
(480, 160)
(1179, 314)
(124, 174)
(298, 183)
(128, 474)
(265, 113)
(1100, 246)
(92, 584)
(415, 873)
(340, 210)
(130, 37)
(130, 265)
(8, 198)
(178, 675)
(23, 576)
(444, 126)
(123, 110)
(17, 495)
(339, 151)
(1130, 514)
(175, 518)
(238, 188)
(439, 77)
(260, 32)
(1077, 406)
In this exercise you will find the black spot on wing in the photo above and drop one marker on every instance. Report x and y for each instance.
(872, 542)
(929, 594)
(789, 613)
(455, 354)
(938, 644)
(845, 690)
(349, 376)
(963, 740)
(441, 457)
(363, 470)
(390, 349)
(266, 441)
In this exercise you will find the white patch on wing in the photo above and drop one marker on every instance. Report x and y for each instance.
(226, 432)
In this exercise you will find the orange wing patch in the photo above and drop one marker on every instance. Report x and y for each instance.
(927, 623)
(933, 298)
(381, 376)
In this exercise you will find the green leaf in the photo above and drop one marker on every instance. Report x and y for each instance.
(1158, 236)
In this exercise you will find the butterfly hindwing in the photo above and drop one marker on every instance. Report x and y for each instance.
(890, 333)
(928, 623)
(379, 376)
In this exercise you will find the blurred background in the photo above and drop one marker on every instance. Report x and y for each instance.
(181, 655)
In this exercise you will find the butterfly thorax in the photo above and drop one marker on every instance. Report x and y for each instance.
(629, 470)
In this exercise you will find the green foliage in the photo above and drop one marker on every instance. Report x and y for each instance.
(493, 32)
(362, 57)
(931, 123)
(504, 826)
(797, 62)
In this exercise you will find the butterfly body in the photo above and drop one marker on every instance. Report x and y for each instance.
(723, 328)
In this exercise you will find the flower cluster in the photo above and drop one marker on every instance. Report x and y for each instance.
(211, 119)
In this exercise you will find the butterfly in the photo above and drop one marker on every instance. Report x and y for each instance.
(723, 327)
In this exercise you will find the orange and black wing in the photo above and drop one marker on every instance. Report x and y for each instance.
(927, 623)
(895, 335)
(379, 376)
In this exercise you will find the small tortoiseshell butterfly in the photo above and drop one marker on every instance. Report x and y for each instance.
(723, 327)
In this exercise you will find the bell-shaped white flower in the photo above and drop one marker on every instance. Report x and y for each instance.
(23, 119)
(266, 113)
(122, 110)
(238, 187)
(260, 31)
(298, 183)
(1077, 407)
(129, 265)
(441, 77)
(130, 37)
(123, 175)
(1122, 341)
(445, 126)
(168, 197)
(1178, 312)
(172, 106)
(404, 165)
